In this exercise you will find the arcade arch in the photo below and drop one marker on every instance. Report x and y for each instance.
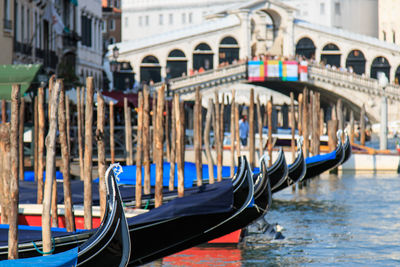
(380, 64)
(331, 54)
(356, 60)
(305, 47)
(150, 70)
(203, 57)
(176, 64)
(228, 50)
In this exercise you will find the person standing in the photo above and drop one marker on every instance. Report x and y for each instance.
(243, 130)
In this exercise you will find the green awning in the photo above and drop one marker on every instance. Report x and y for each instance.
(16, 74)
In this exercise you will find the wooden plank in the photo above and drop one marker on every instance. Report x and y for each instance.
(65, 167)
(14, 189)
(50, 168)
(101, 152)
(87, 177)
(159, 146)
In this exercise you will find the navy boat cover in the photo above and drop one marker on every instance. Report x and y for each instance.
(210, 199)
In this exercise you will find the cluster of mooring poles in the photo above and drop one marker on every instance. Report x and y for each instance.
(160, 131)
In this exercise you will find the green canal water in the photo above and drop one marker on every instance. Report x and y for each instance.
(337, 220)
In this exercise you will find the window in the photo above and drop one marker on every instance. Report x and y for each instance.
(160, 19)
(28, 24)
(183, 18)
(86, 30)
(140, 21)
(190, 17)
(171, 19)
(104, 26)
(7, 16)
(126, 22)
(147, 20)
(16, 19)
(322, 8)
(337, 8)
(112, 40)
(112, 24)
(384, 35)
(22, 23)
(394, 37)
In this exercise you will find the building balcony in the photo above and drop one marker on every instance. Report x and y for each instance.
(70, 40)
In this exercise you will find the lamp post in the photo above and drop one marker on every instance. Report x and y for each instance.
(383, 81)
(115, 65)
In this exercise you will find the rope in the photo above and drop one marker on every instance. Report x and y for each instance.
(147, 204)
(45, 253)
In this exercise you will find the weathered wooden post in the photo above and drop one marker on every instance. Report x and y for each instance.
(112, 125)
(222, 132)
(237, 137)
(315, 129)
(139, 151)
(251, 129)
(197, 138)
(321, 120)
(35, 136)
(80, 134)
(269, 112)
(41, 126)
(167, 131)
(292, 125)
(351, 127)
(153, 124)
(259, 122)
(158, 138)
(146, 140)
(128, 133)
(68, 122)
(362, 126)
(300, 114)
(173, 148)
(54, 209)
(332, 138)
(210, 111)
(5, 171)
(14, 188)
(101, 152)
(305, 123)
(50, 168)
(217, 136)
(180, 146)
(88, 164)
(233, 133)
(65, 168)
(3, 110)
(21, 139)
(339, 110)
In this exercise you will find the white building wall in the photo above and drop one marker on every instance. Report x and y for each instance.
(141, 18)
(89, 59)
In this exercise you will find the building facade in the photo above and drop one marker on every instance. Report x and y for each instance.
(111, 28)
(6, 30)
(389, 22)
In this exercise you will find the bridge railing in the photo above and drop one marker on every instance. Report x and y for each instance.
(363, 83)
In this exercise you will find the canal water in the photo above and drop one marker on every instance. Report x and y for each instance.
(337, 220)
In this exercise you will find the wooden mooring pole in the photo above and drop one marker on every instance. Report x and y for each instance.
(80, 134)
(128, 133)
(146, 140)
(40, 158)
(217, 136)
(252, 150)
(260, 126)
(269, 112)
(159, 146)
(14, 185)
(50, 168)
(197, 138)
(65, 167)
(101, 152)
(180, 145)
(139, 152)
(210, 111)
(88, 164)
(233, 134)
(5, 158)
(173, 148)
(21, 139)
(112, 125)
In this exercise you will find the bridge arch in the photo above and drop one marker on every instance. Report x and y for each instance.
(228, 50)
(380, 64)
(176, 64)
(150, 69)
(331, 54)
(203, 57)
(356, 60)
(305, 47)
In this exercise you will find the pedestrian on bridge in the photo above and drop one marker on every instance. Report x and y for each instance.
(243, 130)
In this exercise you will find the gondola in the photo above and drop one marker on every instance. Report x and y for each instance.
(109, 245)
(346, 148)
(296, 170)
(182, 223)
(321, 163)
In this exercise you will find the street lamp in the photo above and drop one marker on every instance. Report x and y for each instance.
(383, 81)
(115, 65)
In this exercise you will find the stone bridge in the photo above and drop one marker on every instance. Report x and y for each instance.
(354, 89)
